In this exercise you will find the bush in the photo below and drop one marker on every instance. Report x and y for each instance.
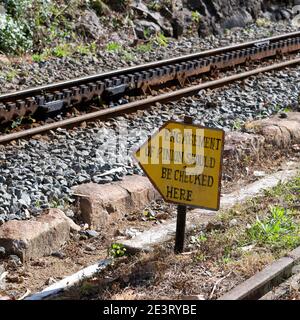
(13, 36)
(32, 24)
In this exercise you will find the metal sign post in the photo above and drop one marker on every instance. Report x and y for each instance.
(181, 214)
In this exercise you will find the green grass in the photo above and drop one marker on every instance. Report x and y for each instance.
(268, 224)
(161, 40)
(143, 48)
(62, 50)
(278, 229)
(11, 75)
(113, 47)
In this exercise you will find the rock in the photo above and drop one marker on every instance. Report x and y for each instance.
(141, 26)
(102, 204)
(118, 5)
(89, 247)
(58, 254)
(132, 232)
(3, 275)
(278, 131)
(90, 25)
(35, 238)
(2, 252)
(233, 222)
(154, 17)
(162, 216)
(91, 233)
(14, 261)
(72, 224)
(239, 19)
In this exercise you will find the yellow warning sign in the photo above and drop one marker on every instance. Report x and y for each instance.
(184, 162)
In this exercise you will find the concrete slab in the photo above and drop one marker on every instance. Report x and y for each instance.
(261, 282)
(35, 238)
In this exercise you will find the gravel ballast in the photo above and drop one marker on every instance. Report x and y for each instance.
(39, 173)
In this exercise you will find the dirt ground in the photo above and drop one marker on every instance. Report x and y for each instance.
(215, 260)
(81, 251)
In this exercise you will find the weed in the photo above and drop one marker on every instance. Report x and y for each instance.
(113, 47)
(198, 240)
(237, 124)
(149, 215)
(11, 75)
(37, 57)
(143, 48)
(147, 33)
(16, 123)
(117, 250)
(127, 56)
(196, 17)
(277, 230)
(62, 50)
(161, 40)
(262, 22)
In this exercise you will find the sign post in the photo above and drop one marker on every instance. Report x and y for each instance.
(181, 215)
(184, 163)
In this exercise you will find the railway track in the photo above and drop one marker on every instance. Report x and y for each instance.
(106, 86)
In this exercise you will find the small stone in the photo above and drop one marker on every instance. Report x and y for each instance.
(296, 269)
(132, 232)
(92, 233)
(58, 254)
(283, 115)
(89, 247)
(214, 225)
(259, 173)
(2, 252)
(14, 261)
(233, 222)
(247, 248)
(69, 213)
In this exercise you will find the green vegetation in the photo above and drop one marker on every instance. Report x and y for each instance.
(196, 17)
(262, 22)
(269, 224)
(161, 40)
(117, 250)
(149, 215)
(62, 50)
(278, 229)
(237, 124)
(143, 48)
(113, 47)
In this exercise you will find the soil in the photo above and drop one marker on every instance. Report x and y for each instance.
(80, 252)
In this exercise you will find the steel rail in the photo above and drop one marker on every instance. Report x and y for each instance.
(124, 71)
(141, 104)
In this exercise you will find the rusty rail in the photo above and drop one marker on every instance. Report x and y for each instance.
(57, 96)
(141, 104)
